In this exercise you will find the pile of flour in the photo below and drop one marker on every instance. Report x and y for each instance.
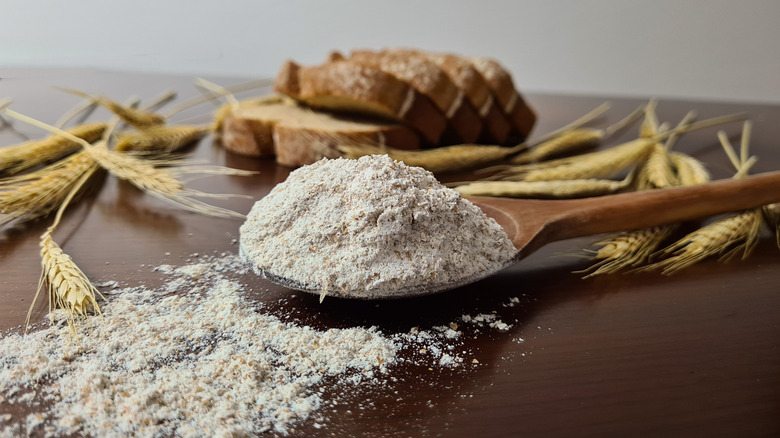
(191, 358)
(197, 357)
(369, 228)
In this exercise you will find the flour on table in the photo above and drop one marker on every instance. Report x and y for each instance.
(368, 228)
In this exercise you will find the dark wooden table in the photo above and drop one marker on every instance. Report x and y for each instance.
(694, 354)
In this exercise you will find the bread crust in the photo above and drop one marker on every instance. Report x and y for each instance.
(299, 136)
(463, 74)
(464, 124)
(350, 87)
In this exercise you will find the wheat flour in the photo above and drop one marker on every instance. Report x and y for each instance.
(195, 357)
(370, 228)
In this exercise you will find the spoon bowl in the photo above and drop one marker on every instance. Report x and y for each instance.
(531, 223)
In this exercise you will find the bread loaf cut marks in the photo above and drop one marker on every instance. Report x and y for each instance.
(345, 86)
(422, 74)
(298, 135)
(520, 115)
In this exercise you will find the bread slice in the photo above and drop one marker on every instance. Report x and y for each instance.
(520, 115)
(427, 78)
(298, 135)
(350, 87)
(477, 91)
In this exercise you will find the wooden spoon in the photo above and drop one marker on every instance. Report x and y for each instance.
(532, 223)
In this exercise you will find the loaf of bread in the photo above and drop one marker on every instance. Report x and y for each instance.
(464, 123)
(401, 98)
(345, 86)
(298, 135)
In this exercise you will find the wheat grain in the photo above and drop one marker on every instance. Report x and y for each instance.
(161, 182)
(437, 160)
(568, 142)
(726, 237)
(626, 250)
(542, 189)
(66, 285)
(688, 170)
(23, 156)
(166, 182)
(601, 164)
(772, 218)
(657, 171)
(160, 138)
(29, 196)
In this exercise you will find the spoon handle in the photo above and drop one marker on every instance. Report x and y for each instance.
(585, 217)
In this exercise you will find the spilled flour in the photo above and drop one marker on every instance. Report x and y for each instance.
(369, 228)
(196, 357)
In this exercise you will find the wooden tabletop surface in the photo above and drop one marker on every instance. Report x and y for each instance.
(692, 354)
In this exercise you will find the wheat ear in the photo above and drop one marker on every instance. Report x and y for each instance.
(626, 250)
(29, 196)
(727, 237)
(23, 156)
(565, 189)
(437, 160)
(631, 249)
(66, 285)
(161, 182)
(160, 138)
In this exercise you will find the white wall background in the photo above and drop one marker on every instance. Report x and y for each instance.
(716, 49)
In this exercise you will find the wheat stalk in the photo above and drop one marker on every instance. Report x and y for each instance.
(568, 142)
(437, 160)
(23, 156)
(728, 236)
(631, 249)
(160, 138)
(601, 164)
(128, 114)
(161, 182)
(36, 194)
(626, 250)
(580, 188)
(67, 286)
(739, 232)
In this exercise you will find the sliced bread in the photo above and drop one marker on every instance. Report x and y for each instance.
(427, 78)
(346, 86)
(298, 135)
(520, 115)
(468, 79)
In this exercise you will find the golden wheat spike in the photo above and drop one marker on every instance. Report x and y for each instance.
(627, 250)
(657, 170)
(36, 194)
(161, 182)
(568, 142)
(688, 170)
(601, 164)
(23, 156)
(726, 237)
(65, 283)
(437, 160)
(160, 138)
(542, 189)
